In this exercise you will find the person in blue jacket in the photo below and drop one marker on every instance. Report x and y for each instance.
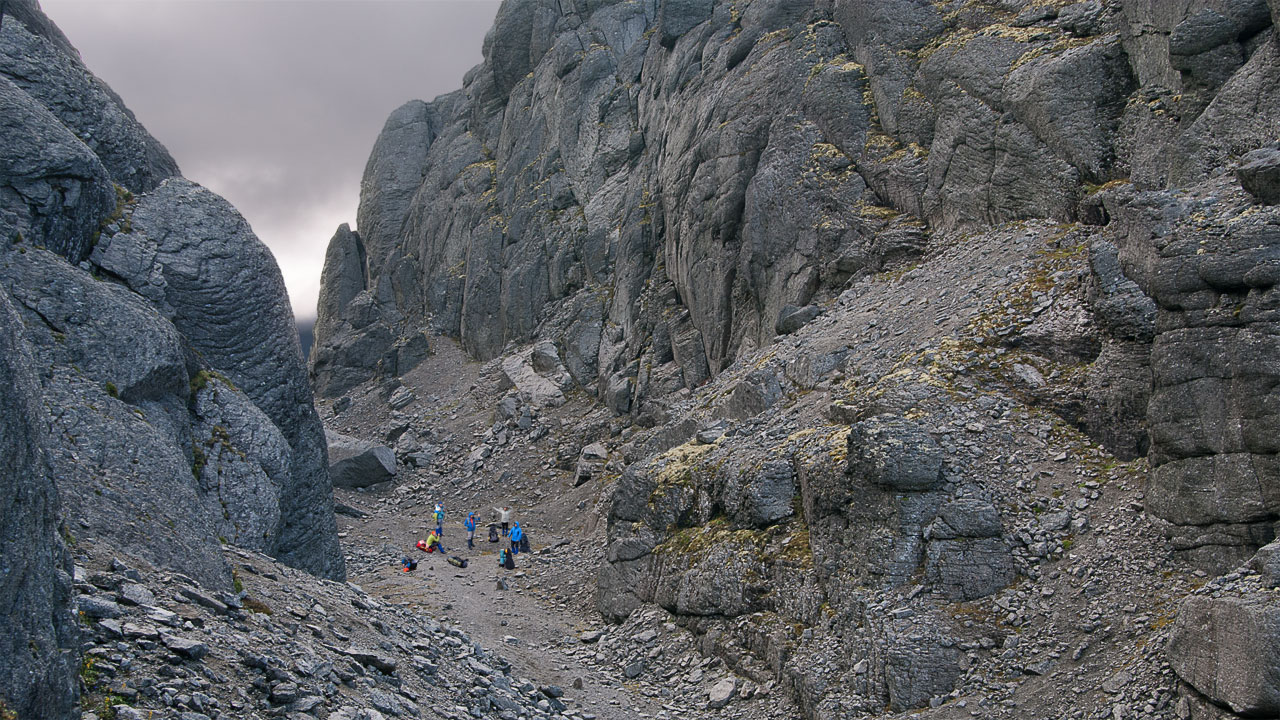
(516, 534)
(470, 525)
(438, 514)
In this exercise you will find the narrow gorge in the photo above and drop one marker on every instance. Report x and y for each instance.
(841, 358)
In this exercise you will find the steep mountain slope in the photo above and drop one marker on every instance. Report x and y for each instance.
(885, 296)
(157, 405)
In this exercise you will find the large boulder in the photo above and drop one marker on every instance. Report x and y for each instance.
(355, 463)
(1228, 649)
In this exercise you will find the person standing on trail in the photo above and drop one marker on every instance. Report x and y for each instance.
(438, 514)
(504, 517)
(470, 525)
(516, 534)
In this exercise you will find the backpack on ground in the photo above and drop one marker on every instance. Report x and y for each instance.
(524, 544)
(409, 564)
(493, 533)
(456, 561)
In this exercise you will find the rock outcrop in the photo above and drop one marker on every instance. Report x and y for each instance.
(38, 664)
(699, 204)
(152, 370)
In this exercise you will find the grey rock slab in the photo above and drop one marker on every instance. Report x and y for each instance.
(1259, 175)
(722, 693)
(793, 318)
(535, 389)
(1226, 648)
(35, 590)
(135, 594)
(187, 648)
(376, 660)
(97, 607)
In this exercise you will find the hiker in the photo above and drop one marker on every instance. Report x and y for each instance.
(438, 514)
(516, 534)
(506, 559)
(433, 543)
(470, 525)
(504, 517)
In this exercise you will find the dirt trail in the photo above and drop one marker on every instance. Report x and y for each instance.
(548, 600)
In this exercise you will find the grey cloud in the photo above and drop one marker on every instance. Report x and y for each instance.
(276, 104)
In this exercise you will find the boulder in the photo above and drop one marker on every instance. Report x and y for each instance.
(1259, 174)
(793, 318)
(591, 463)
(894, 453)
(1228, 649)
(757, 392)
(535, 389)
(356, 464)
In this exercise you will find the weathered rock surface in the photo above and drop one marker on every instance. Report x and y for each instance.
(37, 58)
(38, 664)
(943, 220)
(195, 259)
(355, 463)
(151, 362)
(1225, 648)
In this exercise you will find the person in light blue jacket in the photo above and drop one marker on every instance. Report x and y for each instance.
(516, 534)
(470, 526)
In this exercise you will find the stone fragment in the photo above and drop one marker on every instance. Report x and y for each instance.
(190, 649)
(1259, 175)
(722, 693)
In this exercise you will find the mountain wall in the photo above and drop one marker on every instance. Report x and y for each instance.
(661, 188)
(157, 404)
(699, 206)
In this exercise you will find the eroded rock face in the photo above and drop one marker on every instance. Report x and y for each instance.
(150, 360)
(37, 58)
(658, 188)
(196, 260)
(35, 589)
(1212, 434)
(1225, 648)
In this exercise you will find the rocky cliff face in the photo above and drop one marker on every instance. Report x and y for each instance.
(660, 188)
(155, 375)
(1045, 195)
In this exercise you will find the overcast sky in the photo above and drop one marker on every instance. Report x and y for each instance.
(275, 104)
